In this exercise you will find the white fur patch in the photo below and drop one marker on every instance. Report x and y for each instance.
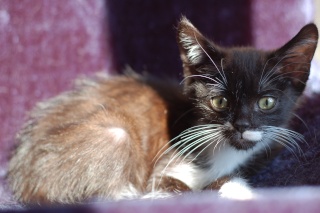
(252, 135)
(187, 173)
(225, 159)
(118, 134)
(236, 188)
(128, 192)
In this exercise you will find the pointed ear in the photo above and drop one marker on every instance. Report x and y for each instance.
(195, 49)
(294, 58)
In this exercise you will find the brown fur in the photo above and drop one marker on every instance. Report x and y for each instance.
(72, 130)
(218, 183)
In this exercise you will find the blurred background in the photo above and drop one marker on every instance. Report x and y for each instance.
(45, 44)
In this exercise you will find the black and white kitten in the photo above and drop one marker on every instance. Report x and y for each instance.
(130, 136)
(245, 98)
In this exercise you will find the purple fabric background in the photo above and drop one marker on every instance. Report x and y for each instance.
(46, 44)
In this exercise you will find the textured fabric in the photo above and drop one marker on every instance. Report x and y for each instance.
(45, 44)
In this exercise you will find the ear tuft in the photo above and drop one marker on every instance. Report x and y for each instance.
(190, 42)
(196, 51)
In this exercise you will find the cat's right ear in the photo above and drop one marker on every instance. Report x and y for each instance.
(294, 58)
(195, 49)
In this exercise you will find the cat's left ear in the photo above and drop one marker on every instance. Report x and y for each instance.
(294, 58)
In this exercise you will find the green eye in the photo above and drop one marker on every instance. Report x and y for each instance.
(219, 103)
(267, 103)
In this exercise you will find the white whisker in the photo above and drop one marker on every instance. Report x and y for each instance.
(265, 78)
(201, 136)
(283, 75)
(188, 141)
(286, 137)
(266, 145)
(224, 75)
(195, 157)
(221, 74)
(304, 123)
(202, 76)
(262, 73)
(201, 142)
(181, 135)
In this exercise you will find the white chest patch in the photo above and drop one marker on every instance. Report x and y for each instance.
(225, 160)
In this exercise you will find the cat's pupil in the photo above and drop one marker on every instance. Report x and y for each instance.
(267, 103)
(219, 103)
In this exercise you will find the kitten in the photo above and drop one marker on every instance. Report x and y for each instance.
(133, 136)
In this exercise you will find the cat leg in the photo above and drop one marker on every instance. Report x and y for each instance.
(216, 185)
(170, 177)
(232, 188)
(165, 187)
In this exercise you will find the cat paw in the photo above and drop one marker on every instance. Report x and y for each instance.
(236, 188)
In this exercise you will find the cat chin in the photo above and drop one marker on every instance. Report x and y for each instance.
(246, 140)
(242, 144)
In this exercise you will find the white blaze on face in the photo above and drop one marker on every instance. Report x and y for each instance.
(252, 135)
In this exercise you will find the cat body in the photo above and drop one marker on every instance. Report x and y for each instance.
(114, 145)
(137, 136)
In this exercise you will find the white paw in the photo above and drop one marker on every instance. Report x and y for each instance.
(236, 188)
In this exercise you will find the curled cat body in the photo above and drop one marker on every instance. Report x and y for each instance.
(132, 136)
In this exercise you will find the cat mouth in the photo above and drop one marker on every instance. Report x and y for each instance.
(245, 140)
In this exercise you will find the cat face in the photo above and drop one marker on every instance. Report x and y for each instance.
(247, 94)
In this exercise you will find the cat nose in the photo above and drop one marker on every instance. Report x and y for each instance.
(241, 125)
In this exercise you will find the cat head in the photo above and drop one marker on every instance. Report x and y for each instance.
(248, 93)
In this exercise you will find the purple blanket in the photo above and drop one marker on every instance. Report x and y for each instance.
(46, 44)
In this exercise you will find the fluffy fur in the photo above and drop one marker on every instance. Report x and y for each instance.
(132, 136)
